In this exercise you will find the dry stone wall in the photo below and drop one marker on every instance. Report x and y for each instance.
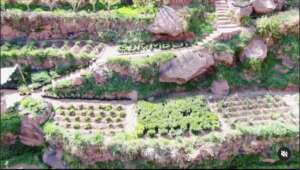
(42, 26)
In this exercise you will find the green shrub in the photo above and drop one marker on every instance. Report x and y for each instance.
(198, 23)
(290, 46)
(24, 90)
(267, 131)
(98, 119)
(151, 132)
(41, 77)
(254, 65)
(10, 122)
(88, 126)
(108, 36)
(76, 126)
(77, 119)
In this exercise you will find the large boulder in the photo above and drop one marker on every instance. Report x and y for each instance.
(263, 6)
(256, 49)
(167, 22)
(31, 134)
(279, 4)
(240, 10)
(186, 66)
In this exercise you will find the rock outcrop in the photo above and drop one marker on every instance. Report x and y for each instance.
(263, 6)
(220, 88)
(52, 157)
(186, 66)
(256, 49)
(239, 10)
(168, 22)
(31, 134)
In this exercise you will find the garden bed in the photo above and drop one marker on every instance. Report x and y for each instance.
(105, 119)
(176, 117)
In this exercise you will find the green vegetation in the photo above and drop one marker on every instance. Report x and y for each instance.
(30, 59)
(53, 131)
(276, 129)
(129, 48)
(33, 106)
(139, 14)
(176, 117)
(290, 46)
(147, 67)
(89, 5)
(20, 154)
(24, 90)
(275, 25)
(11, 54)
(200, 21)
(10, 121)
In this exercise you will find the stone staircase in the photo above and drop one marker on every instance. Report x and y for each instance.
(226, 28)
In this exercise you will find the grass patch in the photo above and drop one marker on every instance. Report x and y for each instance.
(20, 154)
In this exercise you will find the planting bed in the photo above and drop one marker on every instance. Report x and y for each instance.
(254, 110)
(91, 118)
(175, 117)
(131, 48)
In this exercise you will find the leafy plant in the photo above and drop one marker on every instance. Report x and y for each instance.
(24, 90)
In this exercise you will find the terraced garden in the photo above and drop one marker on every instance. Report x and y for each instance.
(138, 84)
(92, 118)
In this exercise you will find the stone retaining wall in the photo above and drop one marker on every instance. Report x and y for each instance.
(42, 26)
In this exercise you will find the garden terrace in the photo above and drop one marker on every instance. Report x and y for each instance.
(42, 61)
(257, 113)
(91, 118)
(130, 84)
(159, 121)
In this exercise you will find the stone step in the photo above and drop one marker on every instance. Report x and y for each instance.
(220, 22)
(228, 25)
(223, 18)
(229, 30)
(222, 10)
(221, 6)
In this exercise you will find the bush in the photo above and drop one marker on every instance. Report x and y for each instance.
(108, 36)
(254, 65)
(76, 126)
(24, 90)
(41, 77)
(10, 122)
